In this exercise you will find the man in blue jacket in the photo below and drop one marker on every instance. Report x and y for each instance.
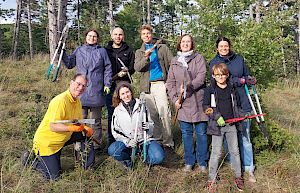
(92, 61)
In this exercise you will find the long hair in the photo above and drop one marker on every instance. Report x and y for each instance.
(116, 96)
(179, 42)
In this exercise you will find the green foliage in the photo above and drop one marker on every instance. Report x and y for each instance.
(280, 139)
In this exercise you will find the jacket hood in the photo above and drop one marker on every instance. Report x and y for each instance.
(124, 46)
(231, 56)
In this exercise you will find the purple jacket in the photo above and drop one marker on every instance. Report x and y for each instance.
(93, 62)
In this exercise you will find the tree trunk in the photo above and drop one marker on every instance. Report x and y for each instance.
(61, 14)
(298, 61)
(148, 12)
(110, 14)
(257, 12)
(143, 6)
(251, 11)
(52, 27)
(29, 30)
(16, 30)
(78, 21)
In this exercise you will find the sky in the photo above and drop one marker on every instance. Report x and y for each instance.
(8, 4)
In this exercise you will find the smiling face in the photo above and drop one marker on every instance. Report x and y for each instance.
(78, 86)
(117, 36)
(146, 36)
(223, 48)
(186, 44)
(91, 38)
(125, 94)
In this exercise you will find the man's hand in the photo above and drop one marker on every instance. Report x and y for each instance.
(148, 53)
(221, 122)
(122, 73)
(132, 143)
(106, 90)
(76, 128)
(88, 131)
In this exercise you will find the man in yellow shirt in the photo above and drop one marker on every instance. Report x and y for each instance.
(51, 137)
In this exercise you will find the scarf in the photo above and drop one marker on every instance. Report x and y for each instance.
(182, 57)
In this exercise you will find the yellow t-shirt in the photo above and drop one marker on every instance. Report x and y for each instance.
(61, 107)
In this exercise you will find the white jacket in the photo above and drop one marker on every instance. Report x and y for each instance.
(123, 125)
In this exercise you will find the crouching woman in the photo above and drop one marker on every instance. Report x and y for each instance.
(130, 129)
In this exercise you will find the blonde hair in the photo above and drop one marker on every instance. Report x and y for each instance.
(221, 67)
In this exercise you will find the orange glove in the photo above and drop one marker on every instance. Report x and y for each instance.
(88, 131)
(76, 128)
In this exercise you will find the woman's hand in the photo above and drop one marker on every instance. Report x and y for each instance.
(177, 104)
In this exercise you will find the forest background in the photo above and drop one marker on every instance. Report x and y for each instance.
(266, 33)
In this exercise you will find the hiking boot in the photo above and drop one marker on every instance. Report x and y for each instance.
(25, 157)
(239, 183)
(252, 178)
(187, 168)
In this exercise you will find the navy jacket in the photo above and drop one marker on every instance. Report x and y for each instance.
(126, 54)
(237, 69)
(213, 128)
(93, 62)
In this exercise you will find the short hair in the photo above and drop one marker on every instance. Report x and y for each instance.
(223, 39)
(179, 41)
(220, 67)
(79, 74)
(147, 27)
(89, 30)
(116, 97)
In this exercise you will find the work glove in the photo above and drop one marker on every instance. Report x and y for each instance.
(76, 128)
(132, 143)
(251, 80)
(106, 90)
(221, 121)
(88, 131)
(145, 126)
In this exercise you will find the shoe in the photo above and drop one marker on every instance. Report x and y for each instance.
(187, 168)
(239, 183)
(201, 169)
(211, 186)
(252, 178)
(25, 157)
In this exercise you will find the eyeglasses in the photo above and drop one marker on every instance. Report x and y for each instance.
(80, 84)
(221, 75)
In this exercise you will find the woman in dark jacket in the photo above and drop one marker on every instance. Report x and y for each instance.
(188, 70)
(92, 61)
(238, 73)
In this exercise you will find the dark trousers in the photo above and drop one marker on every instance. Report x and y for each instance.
(110, 111)
(50, 166)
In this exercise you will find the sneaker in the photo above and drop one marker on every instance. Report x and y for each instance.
(187, 168)
(239, 183)
(252, 178)
(211, 186)
(201, 169)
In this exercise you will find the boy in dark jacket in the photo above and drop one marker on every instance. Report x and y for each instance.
(221, 103)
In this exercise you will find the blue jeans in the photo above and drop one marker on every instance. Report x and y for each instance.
(201, 154)
(110, 111)
(245, 144)
(50, 165)
(119, 151)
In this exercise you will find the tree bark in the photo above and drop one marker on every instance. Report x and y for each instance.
(16, 30)
(52, 27)
(111, 19)
(29, 30)
(61, 14)
(148, 12)
(257, 12)
(78, 21)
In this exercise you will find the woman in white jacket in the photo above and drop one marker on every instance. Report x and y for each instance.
(131, 126)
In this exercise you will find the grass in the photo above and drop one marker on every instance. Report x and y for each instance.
(25, 95)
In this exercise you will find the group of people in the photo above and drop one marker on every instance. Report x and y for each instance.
(143, 125)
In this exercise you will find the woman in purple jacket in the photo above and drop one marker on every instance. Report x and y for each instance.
(187, 74)
(92, 61)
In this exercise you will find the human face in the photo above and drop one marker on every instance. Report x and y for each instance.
(223, 48)
(78, 86)
(125, 94)
(219, 77)
(146, 36)
(117, 36)
(186, 44)
(91, 38)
